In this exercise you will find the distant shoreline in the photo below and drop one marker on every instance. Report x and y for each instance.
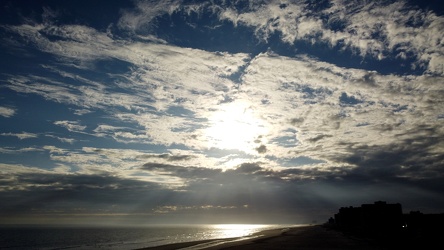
(213, 244)
(308, 237)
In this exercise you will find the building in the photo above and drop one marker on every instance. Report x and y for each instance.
(377, 217)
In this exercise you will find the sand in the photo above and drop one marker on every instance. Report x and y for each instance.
(301, 238)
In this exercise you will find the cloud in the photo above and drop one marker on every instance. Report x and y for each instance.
(293, 21)
(375, 29)
(168, 157)
(256, 172)
(10, 150)
(360, 26)
(408, 30)
(11, 169)
(7, 112)
(238, 191)
(170, 99)
(408, 158)
(188, 79)
(82, 111)
(140, 18)
(175, 209)
(72, 126)
(45, 87)
(58, 192)
(188, 172)
(261, 149)
(309, 128)
(63, 139)
(124, 163)
(320, 96)
(61, 191)
(121, 134)
(96, 160)
(22, 135)
(340, 101)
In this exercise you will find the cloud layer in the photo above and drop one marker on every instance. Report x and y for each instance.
(142, 125)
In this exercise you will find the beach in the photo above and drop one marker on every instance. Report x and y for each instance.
(305, 238)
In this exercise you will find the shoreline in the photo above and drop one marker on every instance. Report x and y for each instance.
(214, 244)
(316, 237)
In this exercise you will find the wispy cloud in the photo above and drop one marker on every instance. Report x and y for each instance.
(374, 29)
(82, 111)
(72, 126)
(62, 139)
(9, 150)
(140, 18)
(22, 135)
(179, 209)
(7, 112)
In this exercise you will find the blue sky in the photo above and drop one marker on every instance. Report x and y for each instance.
(218, 111)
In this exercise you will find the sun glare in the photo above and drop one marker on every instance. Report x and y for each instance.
(234, 126)
(237, 230)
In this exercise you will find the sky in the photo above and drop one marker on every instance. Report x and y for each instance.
(145, 112)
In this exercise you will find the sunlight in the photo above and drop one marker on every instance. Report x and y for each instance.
(235, 126)
(237, 230)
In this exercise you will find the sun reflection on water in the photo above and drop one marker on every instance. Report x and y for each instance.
(237, 230)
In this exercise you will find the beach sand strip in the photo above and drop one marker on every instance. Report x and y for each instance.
(301, 238)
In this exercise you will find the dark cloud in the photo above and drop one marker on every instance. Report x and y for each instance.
(43, 193)
(296, 121)
(261, 149)
(242, 175)
(181, 171)
(248, 168)
(168, 157)
(368, 79)
(312, 192)
(318, 137)
(410, 161)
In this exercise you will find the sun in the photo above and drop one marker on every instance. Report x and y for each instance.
(235, 126)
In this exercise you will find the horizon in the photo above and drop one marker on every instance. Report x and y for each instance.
(222, 226)
(186, 111)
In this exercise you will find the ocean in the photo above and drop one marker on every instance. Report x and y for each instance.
(45, 238)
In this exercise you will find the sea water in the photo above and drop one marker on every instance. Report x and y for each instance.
(119, 238)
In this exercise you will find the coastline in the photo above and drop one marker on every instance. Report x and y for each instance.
(303, 237)
(214, 244)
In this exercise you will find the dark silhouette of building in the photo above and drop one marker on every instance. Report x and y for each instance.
(376, 217)
(389, 227)
(417, 223)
